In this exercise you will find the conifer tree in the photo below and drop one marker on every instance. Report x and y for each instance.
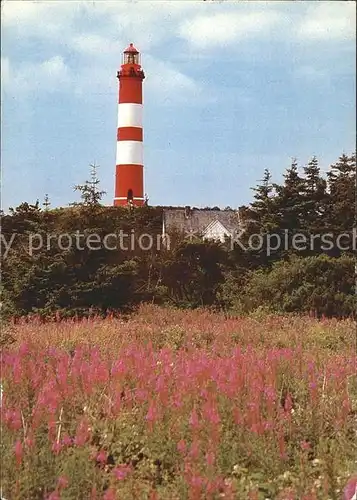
(341, 207)
(290, 199)
(46, 202)
(90, 193)
(262, 209)
(314, 197)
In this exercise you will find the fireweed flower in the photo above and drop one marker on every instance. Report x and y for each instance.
(29, 441)
(181, 446)
(152, 413)
(244, 383)
(18, 450)
(62, 482)
(93, 493)
(210, 458)
(110, 494)
(122, 471)
(305, 445)
(83, 432)
(15, 421)
(56, 448)
(102, 456)
(193, 421)
(211, 414)
(54, 496)
(66, 440)
(194, 450)
(350, 491)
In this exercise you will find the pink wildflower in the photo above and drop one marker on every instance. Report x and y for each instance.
(18, 452)
(109, 494)
(194, 451)
(194, 419)
(14, 419)
(152, 413)
(288, 404)
(350, 491)
(181, 446)
(62, 482)
(56, 447)
(282, 446)
(102, 456)
(29, 441)
(67, 440)
(82, 433)
(212, 415)
(54, 496)
(122, 471)
(305, 445)
(210, 458)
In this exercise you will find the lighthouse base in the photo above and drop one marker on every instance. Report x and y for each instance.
(123, 202)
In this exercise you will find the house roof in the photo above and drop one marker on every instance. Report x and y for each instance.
(197, 220)
(215, 226)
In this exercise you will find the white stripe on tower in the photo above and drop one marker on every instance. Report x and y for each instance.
(130, 115)
(129, 183)
(129, 153)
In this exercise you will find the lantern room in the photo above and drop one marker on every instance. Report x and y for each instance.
(131, 55)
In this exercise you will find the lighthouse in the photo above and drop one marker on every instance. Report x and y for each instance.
(129, 174)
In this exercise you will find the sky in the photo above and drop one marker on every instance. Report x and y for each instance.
(231, 88)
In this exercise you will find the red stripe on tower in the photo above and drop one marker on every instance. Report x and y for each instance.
(129, 175)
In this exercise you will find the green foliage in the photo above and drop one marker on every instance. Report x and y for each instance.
(341, 207)
(193, 273)
(90, 193)
(49, 278)
(321, 285)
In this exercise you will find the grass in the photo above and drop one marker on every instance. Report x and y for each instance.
(179, 405)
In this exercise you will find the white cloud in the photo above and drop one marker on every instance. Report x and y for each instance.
(92, 35)
(16, 12)
(92, 45)
(45, 19)
(329, 21)
(226, 28)
(51, 75)
(5, 72)
(150, 21)
(299, 21)
(89, 83)
(97, 32)
(167, 84)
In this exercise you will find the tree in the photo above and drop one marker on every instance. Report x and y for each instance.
(289, 200)
(46, 202)
(23, 219)
(259, 220)
(318, 284)
(262, 209)
(341, 203)
(314, 199)
(193, 273)
(90, 193)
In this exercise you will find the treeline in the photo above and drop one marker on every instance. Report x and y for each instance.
(295, 253)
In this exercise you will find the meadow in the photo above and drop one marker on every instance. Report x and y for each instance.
(176, 405)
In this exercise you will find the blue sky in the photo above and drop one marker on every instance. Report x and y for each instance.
(231, 88)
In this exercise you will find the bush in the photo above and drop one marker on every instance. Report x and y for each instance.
(321, 285)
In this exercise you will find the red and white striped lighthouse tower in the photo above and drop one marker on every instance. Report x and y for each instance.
(129, 175)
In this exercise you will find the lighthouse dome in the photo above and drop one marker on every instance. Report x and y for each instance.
(131, 49)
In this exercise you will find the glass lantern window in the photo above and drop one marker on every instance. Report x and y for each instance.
(130, 58)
